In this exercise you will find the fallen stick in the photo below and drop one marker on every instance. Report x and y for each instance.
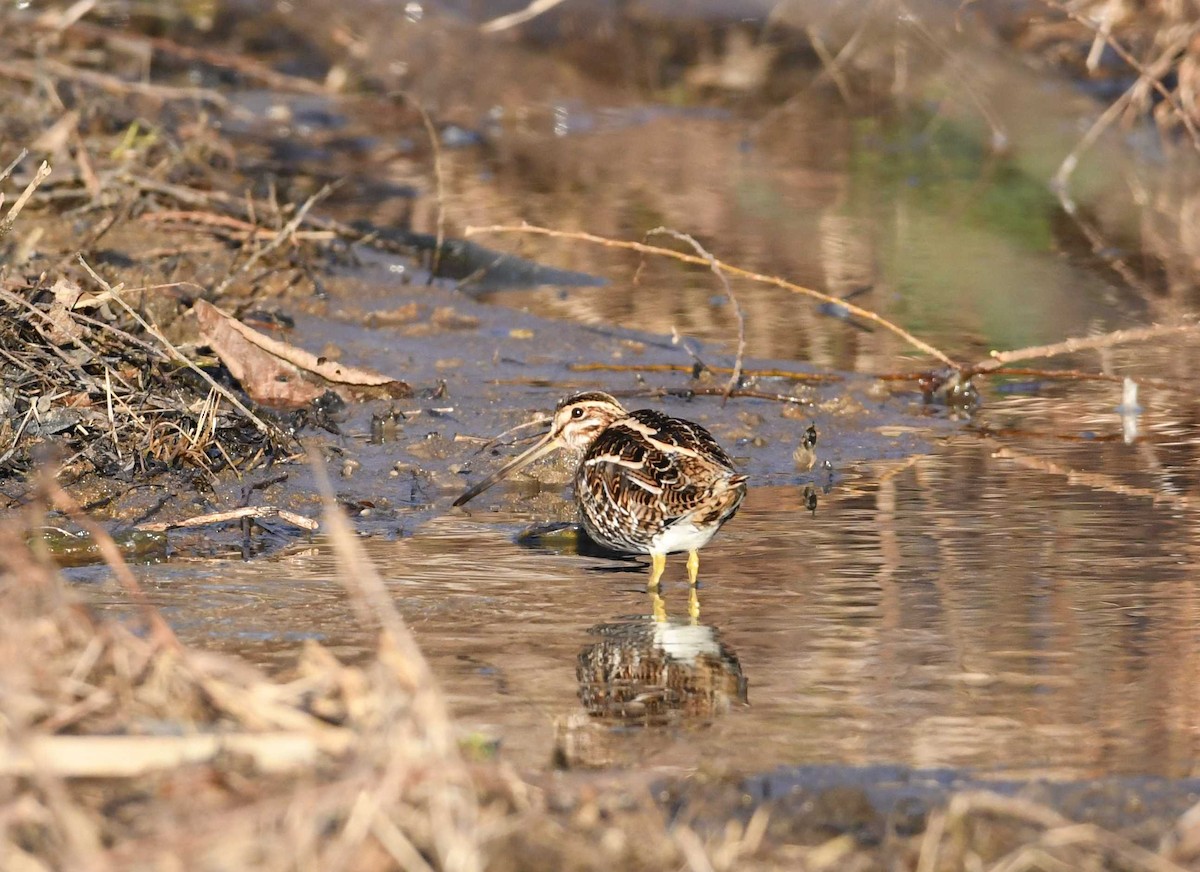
(1079, 343)
(233, 515)
(683, 367)
(133, 756)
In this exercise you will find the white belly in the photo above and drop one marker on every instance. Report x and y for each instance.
(682, 536)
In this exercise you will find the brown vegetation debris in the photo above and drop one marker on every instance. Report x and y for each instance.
(117, 751)
(1152, 49)
(84, 371)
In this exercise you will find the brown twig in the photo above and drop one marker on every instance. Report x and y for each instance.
(1154, 78)
(736, 375)
(233, 515)
(774, 281)
(1082, 343)
(43, 172)
(679, 367)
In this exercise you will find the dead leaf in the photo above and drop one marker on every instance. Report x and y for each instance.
(278, 374)
(63, 328)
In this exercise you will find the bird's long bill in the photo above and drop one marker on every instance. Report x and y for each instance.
(535, 452)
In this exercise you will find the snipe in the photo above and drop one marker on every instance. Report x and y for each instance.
(646, 483)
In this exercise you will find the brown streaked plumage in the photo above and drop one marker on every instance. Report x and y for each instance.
(646, 483)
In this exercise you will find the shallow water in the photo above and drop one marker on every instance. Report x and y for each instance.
(966, 608)
(1014, 592)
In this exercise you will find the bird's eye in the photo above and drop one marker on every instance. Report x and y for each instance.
(577, 412)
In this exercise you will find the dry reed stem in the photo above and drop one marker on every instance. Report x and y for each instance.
(1093, 837)
(775, 281)
(60, 21)
(233, 515)
(100, 756)
(1058, 832)
(7, 171)
(1155, 71)
(692, 848)
(530, 12)
(439, 182)
(453, 810)
(1081, 343)
(736, 375)
(43, 172)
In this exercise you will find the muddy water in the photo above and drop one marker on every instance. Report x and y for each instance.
(1013, 591)
(1017, 607)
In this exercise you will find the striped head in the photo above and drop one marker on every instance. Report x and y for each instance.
(579, 419)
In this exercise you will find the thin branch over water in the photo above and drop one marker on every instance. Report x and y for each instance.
(865, 314)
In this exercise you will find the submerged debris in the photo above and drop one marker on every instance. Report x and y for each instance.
(805, 455)
(949, 387)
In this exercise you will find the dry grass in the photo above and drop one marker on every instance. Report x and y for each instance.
(120, 749)
(88, 370)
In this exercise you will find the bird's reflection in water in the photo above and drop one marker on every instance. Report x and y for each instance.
(650, 669)
(656, 669)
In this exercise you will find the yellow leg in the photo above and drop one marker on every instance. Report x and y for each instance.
(658, 606)
(694, 604)
(658, 562)
(693, 567)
